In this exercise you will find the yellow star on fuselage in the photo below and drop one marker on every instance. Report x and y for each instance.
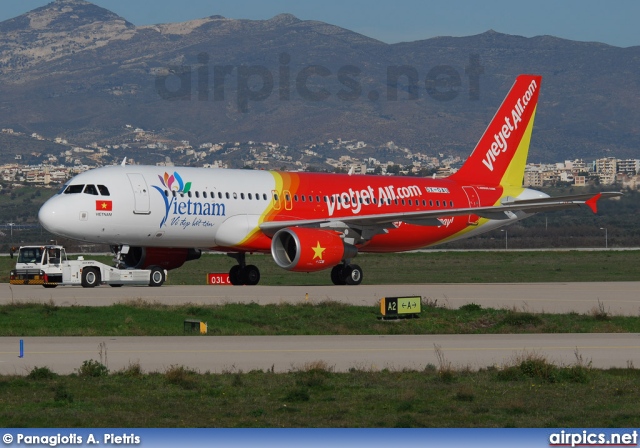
(318, 250)
(104, 205)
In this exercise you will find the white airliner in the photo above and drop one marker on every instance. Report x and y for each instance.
(154, 216)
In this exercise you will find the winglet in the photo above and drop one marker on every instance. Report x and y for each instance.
(593, 203)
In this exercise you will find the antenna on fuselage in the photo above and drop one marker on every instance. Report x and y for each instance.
(124, 162)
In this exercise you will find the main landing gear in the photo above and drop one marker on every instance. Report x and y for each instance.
(346, 274)
(243, 274)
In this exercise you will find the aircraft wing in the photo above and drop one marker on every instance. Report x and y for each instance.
(508, 208)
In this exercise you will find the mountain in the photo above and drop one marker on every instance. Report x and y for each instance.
(79, 71)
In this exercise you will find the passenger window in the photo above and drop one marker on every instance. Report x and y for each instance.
(264, 196)
(197, 194)
(166, 193)
(235, 195)
(227, 195)
(104, 191)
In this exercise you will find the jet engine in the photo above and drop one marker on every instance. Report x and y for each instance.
(166, 258)
(301, 249)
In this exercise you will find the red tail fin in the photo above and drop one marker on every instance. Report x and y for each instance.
(500, 156)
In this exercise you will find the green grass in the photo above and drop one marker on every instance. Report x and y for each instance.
(527, 393)
(426, 267)
(327, 318)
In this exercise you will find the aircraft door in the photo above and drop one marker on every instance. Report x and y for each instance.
(276, 200)
(474, 201)
(140, 194)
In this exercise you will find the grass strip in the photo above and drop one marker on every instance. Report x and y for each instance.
(140, 318)
(529, 392)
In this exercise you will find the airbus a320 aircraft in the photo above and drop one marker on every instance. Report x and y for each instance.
(152, 216)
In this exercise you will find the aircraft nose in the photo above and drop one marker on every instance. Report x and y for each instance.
(52, 217)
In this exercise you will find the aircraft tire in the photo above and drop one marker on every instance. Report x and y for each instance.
(234, 276)
(352, 274)
(336, 275)
(157, 277)
(250, 275)
(90, 278)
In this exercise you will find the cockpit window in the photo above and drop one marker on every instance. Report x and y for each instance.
(91, 189)
(104, 191)
(74, 189)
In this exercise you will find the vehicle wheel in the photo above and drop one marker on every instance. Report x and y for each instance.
(353, 274)
(336, 275)
(234, 276)
(90, 278)
(250, 275)
(157, 276)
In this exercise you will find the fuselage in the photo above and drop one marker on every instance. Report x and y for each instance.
(217, 209)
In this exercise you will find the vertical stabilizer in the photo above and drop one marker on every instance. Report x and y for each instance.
(500, 156)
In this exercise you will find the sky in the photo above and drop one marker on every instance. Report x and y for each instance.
(613, 22)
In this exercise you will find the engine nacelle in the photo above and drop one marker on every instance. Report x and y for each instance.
(166, 258)
(300, 249)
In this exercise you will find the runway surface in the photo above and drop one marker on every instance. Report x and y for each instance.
(283, 353)
(619, 298)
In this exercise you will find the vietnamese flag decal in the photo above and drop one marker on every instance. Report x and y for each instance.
(104, 206)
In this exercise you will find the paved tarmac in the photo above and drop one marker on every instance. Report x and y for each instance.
(219, 354)
(618, 298)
